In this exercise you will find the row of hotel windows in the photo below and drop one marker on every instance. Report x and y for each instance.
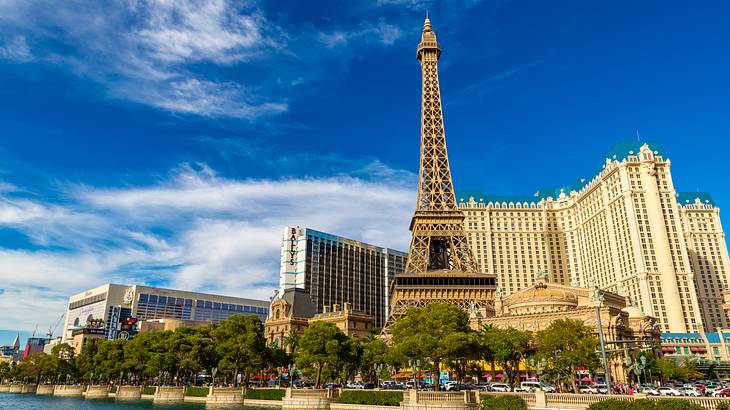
(199, 303)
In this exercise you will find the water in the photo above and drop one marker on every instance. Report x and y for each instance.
(17, 401)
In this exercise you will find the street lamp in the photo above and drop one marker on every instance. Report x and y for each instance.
(377, 368)
(636, 366)
(415, 366)
(598, 297)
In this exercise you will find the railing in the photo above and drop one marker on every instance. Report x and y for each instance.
(582, 401)
(440, 397)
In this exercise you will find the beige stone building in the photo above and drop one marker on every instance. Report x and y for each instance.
(626, 230)
(539, 305)
(293, 311)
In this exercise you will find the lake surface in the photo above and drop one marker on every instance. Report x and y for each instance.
(17, 401)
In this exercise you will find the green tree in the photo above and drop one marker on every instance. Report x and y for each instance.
(137, 356)
(565, 346)
(84, 361)
(63, 356)
(507, 347)
(374, 353)
(108, 360)
(241, 345)
(436, 333)
(324, 348)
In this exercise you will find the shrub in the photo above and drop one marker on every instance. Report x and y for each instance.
(148, 390)
(722, 406)
(506, 402)
(645, 404)
(373, 398)
(265, 394)
(113, 389)
(677, 404)
(196, 391)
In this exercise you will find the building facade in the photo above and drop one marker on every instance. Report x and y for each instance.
(626, 230)
(337, 270)
(293, 311)
(115, 305)
(536, 307)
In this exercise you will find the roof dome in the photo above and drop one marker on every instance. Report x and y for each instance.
(541, 298)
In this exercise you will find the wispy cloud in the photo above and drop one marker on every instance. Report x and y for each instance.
(483, 86)
(186, 56)
(16, 49)
(191, 230)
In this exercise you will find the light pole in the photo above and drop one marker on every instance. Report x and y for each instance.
(415, 365)
(377, 368)
(598, 297)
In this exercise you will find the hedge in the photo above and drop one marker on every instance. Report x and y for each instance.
(265, 394)
(113, 389)
(148, 390)
(373, 398)
(490, 402)
(645, 404)
(196, 391)
(722, 406)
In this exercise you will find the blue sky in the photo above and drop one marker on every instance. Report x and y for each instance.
(169, 143)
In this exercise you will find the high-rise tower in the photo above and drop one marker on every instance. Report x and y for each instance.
(440, 266)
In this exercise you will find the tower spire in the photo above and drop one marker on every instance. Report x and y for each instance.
(440, 265)
(439, 239)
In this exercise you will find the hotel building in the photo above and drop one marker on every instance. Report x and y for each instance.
(336, 270)
(109, 306)
(626, 230)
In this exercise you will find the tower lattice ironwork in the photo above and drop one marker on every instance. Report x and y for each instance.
(440, 266)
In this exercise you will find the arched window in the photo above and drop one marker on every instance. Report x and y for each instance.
(76, 322)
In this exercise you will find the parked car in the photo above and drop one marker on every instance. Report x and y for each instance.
(669, 391)
(355, 385)
(531, 386)
(649, 390)
(722, 393)
(452, 386)
(501, 387)
(690, 392)
(588, 389)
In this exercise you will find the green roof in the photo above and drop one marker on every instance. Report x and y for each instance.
(618, 152)
(685, 198)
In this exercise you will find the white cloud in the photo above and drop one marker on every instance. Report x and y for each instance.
(180, 31)
(17, 50)
(210, 58)
(194, 230)
(383, 32)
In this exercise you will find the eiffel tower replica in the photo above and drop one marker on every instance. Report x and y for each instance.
(440, 266)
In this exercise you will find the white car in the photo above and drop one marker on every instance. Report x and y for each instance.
(452, 386)
(649, 391)
(501, 387)
(669, 391)
(355, 385)
(588, 390)
(690, 392)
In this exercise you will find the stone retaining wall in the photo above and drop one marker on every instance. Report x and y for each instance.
(45, 389)
(224, 396)
(128, 393)
(15, 388)
(169, 394)
(66, 390)
(28, 388)
(97, 392)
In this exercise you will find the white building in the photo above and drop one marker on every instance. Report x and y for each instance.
(113, 304)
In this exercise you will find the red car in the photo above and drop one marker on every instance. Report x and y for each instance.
(724, 393)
